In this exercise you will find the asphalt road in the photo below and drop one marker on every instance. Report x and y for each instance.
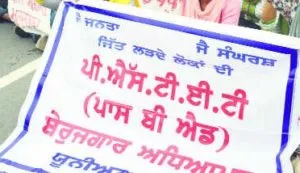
(15, 52)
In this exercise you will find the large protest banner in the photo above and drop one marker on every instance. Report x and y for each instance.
(125, 90)
(30, 16)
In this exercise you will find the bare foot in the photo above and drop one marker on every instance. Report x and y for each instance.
(6, 17)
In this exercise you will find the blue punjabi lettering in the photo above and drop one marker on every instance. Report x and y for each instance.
(256, 60)
(149, 52)
(223, 69)
(87, 164)
(99, 24)
(202, 46)
(268, 62)
(180, 59)
(110, 43)
(227, 52)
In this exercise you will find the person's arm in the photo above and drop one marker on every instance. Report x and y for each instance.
(231, 12)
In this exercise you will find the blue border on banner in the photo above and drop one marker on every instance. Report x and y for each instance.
(22, 167)
(275, 48)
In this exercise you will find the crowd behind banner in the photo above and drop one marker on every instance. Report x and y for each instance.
(278, 16)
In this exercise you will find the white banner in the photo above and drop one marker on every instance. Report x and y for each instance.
(30, 16)
(122, 90)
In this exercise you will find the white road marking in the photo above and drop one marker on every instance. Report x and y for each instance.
(19, 73)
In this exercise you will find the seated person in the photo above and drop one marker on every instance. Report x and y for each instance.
(220, 11)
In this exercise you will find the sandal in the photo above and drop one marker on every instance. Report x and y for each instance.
(21, 33)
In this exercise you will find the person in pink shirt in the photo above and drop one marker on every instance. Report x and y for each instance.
(220, 11)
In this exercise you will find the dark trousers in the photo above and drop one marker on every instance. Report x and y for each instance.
(3, 3)
(3, 7)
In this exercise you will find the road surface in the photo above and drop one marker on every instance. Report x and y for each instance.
(15, 53)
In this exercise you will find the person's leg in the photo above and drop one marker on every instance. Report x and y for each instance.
(3, 10)
(3, 3)
(4, 14)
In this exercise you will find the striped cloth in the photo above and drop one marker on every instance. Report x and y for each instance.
(295, 31)
(287, 8)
